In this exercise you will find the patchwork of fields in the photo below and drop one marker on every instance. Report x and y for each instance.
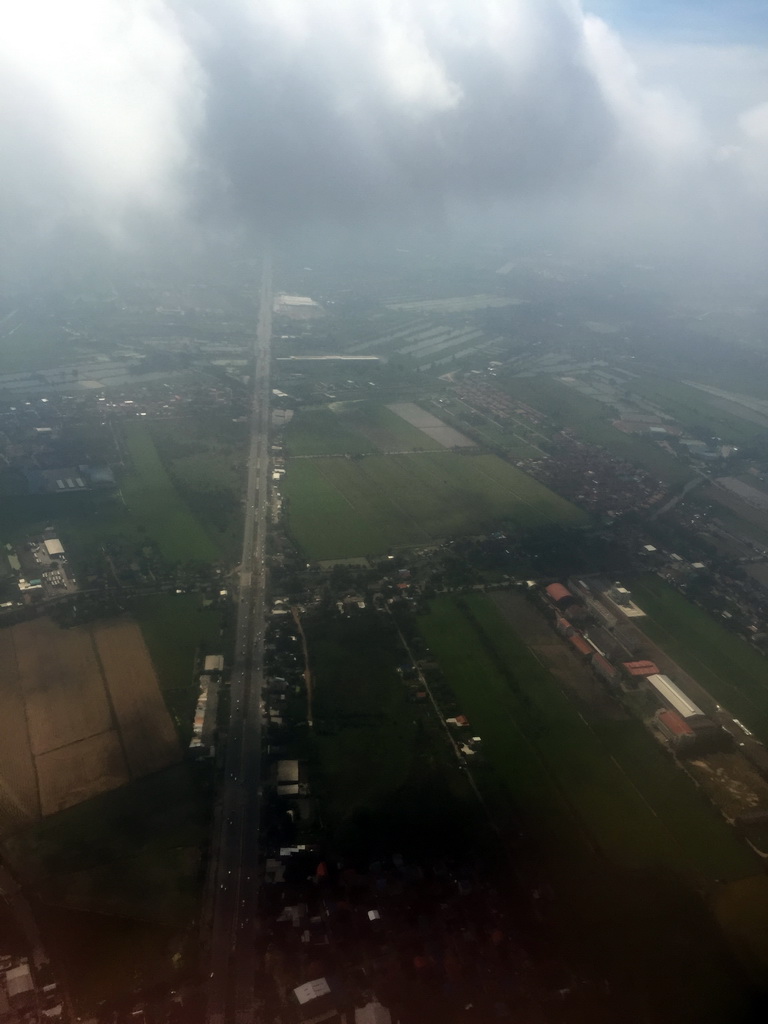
(86, 714)
(585, 783)
(351, 507)
(353, 428)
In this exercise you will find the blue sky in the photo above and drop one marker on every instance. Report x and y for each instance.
(743, 22)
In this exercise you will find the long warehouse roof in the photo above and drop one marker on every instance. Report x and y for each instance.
(667, 690)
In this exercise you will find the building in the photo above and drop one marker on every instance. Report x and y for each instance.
(675, 729)
(559, 595)
(53, 547)
(287, 773)
(633, 672)
(580, 645)
(214, 663)
(674, 697)
(603, 667)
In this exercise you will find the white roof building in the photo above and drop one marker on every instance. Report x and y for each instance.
(19, 980)
(214, 663)
(312, 990)
(675, 697)
(54, 547)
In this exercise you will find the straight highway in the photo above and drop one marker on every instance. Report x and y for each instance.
(233, 875)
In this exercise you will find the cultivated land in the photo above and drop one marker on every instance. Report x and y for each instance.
(93, 714)
(386, 777)
(347, 507)
(702, 414)
(599, 812)
(176, 629)
(587, 783)
(155, 503)
(353, 428)
(731, 672)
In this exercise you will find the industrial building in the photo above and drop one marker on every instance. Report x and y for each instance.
(559, 595)
(674, 697)
(675, 729)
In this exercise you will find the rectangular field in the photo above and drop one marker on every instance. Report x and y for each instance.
(155, 503)
(728, 668)
(75, 772)
(430, 425)
(352, 428)
(86, 714)
(62, 684)
(148, 737)
(19, 798)
(348, 507)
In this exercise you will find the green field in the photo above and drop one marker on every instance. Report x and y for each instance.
(204, 456)
(732, 672)
(347, 507)
(175, 628)
(591, 421)
(155, 504)
(701, 414)
(585, 786)
(350, 428)
(383, 769)
(149, 508)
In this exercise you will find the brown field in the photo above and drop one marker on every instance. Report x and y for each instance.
(68, 775)
(149, 738)
(19, 799)
(61, 683)
(82, 714)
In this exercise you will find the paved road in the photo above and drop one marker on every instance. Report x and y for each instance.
(234, 870)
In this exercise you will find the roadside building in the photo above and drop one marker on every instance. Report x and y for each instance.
(603, 667)
(214, 663)
(54, 548)
(563, 626)
(559, 595)
(580, 645)
(675, 729)
(674, 697)
(633, 672)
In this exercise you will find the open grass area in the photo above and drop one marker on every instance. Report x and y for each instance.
(585, 787)
(346, 507)
(175, 628)
(701, 414)
(591, 421)
(384, 771)
(623, 837)
(726, 666)
(205, 458)
(155, 503)
(350, 428)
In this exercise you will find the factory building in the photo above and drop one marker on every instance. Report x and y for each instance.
(675, 729)
(674, 697)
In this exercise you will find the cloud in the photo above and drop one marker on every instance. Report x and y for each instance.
(276, 112)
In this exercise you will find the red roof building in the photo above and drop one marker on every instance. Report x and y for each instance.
(640, 668)
(557, 592)
(580, 644)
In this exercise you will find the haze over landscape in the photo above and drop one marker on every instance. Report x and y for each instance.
(384, 511)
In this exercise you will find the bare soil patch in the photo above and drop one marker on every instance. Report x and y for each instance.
(82, 714)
